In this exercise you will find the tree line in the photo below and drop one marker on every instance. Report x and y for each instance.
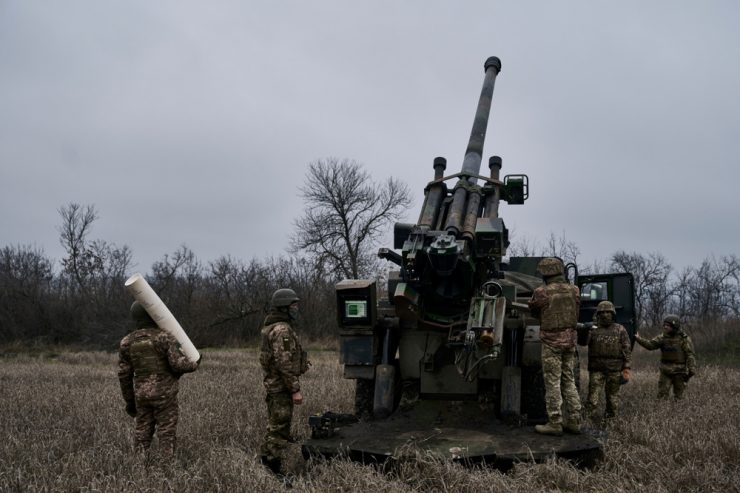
(81, 300)
(219, 303)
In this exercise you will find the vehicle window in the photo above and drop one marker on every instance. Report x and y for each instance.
(594, 291)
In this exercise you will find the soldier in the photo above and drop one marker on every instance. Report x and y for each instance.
(556, 304)
(609, 354)
(283, 361)
(150, 361)
(677, 359)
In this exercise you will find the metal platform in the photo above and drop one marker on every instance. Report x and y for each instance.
(457, 431)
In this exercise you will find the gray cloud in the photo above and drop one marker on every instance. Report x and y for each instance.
(186, 122)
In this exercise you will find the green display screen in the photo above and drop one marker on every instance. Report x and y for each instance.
(355, 309)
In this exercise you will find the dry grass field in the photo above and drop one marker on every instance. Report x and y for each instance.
(63, 428)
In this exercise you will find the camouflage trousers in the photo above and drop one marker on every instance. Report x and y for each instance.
(599, 381)
(675, 380)
(560, 385)
(160, 413)
(279, 417)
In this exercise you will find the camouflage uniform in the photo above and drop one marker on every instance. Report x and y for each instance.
(677, 360)
(609, 354)
(556, 304)
(150, 361)
(283, 361)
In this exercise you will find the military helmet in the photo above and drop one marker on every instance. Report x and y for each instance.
(550, 266)
(606, 306)
(283, 297)
(673, 321)
(140, 316)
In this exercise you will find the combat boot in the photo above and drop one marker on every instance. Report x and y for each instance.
(555, 429)
(274, 464)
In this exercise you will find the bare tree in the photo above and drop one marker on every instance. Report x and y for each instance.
(714, 290)
(555, 246)
(91, 280)
(93, 265)
(235, 284)
(81, 260)
(681, 289)
(521, 246)
(25, 284)
(177, 279)
(116, 261)
(597, 266)
(345, 214)
(651, 276)
(733, 264)
(561, 247)
(179, 272)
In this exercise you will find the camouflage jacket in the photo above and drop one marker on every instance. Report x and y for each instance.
(150, 361)
(609, 348)
(556, 305)
(676, 352)
(282, 358)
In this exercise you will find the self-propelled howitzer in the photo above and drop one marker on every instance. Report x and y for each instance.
(449, 357)
(451, 294)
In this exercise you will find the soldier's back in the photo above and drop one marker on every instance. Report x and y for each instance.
(153, 377)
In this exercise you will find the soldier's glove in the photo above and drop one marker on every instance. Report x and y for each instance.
(131, 409)
(626, 374)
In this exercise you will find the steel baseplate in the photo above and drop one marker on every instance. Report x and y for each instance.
(451, 430)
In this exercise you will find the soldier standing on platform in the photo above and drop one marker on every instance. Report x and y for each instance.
(556, 304)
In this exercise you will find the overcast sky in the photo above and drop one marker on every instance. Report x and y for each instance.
(191, 122)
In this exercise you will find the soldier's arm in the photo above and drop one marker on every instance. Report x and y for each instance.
(650, 344)
(538, 302)
(284, 348)
(125, 371)
(624, 340)
(179, 363)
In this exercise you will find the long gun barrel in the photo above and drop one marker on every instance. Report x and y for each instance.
(471, 163)
(465, 203)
